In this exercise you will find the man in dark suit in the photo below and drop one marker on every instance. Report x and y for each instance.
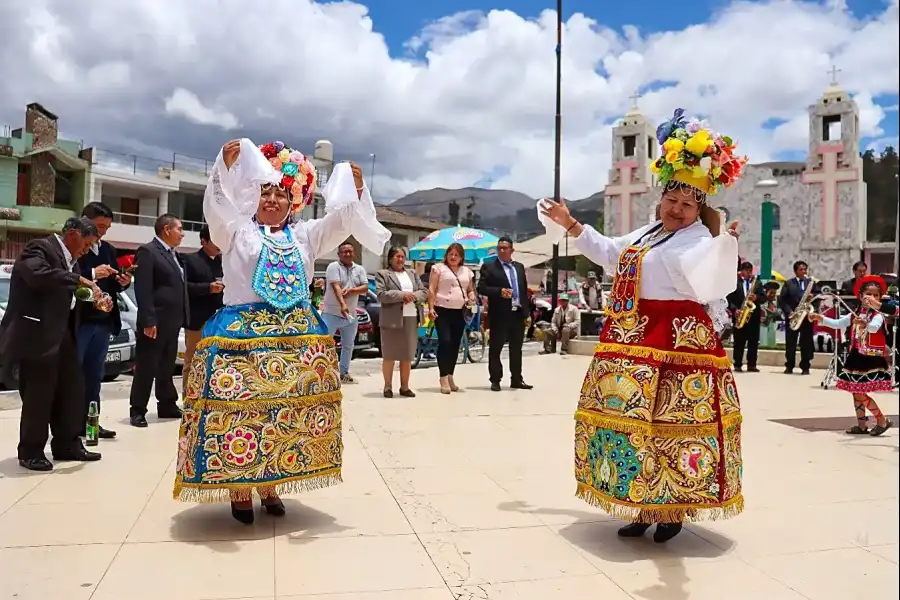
(162, 301)
(791, 293)
(96, 326)
(502, 282)
(203, 273)
(860, 269)
(748, 335)
(37, 336)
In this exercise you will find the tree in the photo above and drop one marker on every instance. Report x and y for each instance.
(880, 175)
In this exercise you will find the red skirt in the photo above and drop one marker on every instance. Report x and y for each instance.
(658, 426)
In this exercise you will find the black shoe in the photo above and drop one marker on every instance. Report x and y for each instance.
(879, 429)
(804, 372)
(407, 393)
(36, 464)
(495, 387)
(521, 385)
(79, 455)
(665, 532)
(633, 530)
(545, 352)
(244, 515)
(138, 421)
(169, 413)
(388, 393)
(788, 371)
(107, 434)
(276, 508)
(738, 369)
(752, 370)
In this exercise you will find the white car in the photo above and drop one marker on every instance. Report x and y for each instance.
(128, 309)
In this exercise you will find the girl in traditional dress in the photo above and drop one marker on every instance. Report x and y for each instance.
(866, 368)
(262, 410)
(658, 426)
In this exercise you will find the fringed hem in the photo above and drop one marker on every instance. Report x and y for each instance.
(264, 342)
(655, 429)
(663, 513)
(333, 397)
(663, 356)
(222, 492)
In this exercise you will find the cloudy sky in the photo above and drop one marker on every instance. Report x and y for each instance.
(444, 93)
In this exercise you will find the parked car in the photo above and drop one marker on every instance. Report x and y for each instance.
(121, 353)
(368, 311)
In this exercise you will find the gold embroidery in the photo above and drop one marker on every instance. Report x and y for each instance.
(628, 329)
(690, 333)
(264, 322)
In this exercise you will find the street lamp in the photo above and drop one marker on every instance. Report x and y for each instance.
(557, 151)
(372, 177)
(767, 222)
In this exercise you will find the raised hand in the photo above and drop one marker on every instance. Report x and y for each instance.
(733, 230)
(230, 152)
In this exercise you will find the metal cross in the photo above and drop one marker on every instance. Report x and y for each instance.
(635, 97)
(834, 71)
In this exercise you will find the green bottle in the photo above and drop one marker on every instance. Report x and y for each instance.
(92, 432)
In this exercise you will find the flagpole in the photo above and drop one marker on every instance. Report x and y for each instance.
(554, 278)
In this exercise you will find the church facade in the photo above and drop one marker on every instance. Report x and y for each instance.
(820, 214)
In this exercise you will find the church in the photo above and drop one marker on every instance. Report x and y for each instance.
(820, 204)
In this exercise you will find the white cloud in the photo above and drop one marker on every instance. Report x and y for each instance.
(186, 104)
(470, 92)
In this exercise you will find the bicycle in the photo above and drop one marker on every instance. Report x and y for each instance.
(472, 347)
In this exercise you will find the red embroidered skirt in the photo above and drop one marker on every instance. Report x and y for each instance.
(658, 426)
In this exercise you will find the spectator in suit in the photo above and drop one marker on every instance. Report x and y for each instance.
(791, 293)
(96, 326)
(502, 281)
(162, 301)
(860, 270)
(203, 273)
(37, 337)
(748, 335)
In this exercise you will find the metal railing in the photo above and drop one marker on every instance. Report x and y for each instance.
(143, 165)
(150, 220)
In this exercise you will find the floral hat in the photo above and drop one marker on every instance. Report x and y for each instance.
(696, 156)
(298, 175)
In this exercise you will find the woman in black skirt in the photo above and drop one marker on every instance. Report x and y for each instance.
(866, 369)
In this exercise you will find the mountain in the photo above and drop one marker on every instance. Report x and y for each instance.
(500, 211)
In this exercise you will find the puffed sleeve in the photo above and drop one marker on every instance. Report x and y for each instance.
(702, 267)
(346, 214)
(602, 250)
(841, 323)
(875, 323)
(232, 195)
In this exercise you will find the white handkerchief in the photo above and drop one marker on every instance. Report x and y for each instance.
(555, 232)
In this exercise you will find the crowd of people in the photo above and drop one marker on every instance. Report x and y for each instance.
(262, 390)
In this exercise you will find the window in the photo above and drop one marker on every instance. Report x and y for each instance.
(650, 147)
(62, 195)
(400, 239)
(629, 144)
(23, 185)
(776, 217)
(831, 128)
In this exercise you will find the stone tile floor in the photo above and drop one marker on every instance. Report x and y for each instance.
(467, 497)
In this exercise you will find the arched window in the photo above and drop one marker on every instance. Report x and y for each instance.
(776, 217)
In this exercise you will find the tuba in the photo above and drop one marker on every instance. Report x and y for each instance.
(742, 317)
(804, 309)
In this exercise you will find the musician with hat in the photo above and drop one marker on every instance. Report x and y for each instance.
(744, 304)
(792, 294)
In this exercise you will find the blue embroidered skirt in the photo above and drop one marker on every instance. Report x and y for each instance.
(262, 407)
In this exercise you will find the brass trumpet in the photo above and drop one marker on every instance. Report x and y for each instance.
(742, 317)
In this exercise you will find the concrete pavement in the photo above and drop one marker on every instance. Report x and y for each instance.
(466, 497)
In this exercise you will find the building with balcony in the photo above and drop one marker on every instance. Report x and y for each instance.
(43, 180)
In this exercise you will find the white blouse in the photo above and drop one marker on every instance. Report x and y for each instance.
(873, 325)
(231, 201)
(691, 265)
(406, 285)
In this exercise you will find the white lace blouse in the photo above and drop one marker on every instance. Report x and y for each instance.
(691, 265)
(231, 201)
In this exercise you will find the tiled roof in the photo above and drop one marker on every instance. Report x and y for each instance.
(389, 216)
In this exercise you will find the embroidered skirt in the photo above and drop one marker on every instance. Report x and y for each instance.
(262, 407)
(658, 426)
(861, 374)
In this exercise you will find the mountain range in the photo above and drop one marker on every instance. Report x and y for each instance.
(500, 211)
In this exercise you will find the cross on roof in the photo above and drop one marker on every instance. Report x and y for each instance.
(634, 98)
(834, 71)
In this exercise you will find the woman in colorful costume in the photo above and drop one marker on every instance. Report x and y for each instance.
(658, 426)
(263, 404)
(866, 368)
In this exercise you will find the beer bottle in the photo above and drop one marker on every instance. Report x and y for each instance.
(92, 433)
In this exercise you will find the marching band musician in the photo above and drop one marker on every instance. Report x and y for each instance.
(747, 289)
(769, 313)
(866, 369)
(791, 294)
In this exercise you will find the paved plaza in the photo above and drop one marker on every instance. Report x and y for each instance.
(465, 497)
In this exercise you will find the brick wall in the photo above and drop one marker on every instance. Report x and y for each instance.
(42, 186)
(41, 123)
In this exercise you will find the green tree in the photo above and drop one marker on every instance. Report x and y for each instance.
(880, 175)
(583, 264)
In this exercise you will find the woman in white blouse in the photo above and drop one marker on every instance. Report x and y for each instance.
(262, 410)
(401, 294)
(658, 424)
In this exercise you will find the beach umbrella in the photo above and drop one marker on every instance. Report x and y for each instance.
(477, 244)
